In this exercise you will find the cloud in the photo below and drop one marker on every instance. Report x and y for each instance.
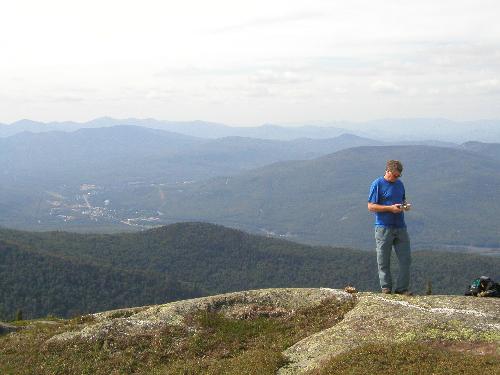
(273, 77)
(181, 55)
(434, 91)
(464, 55)
(258, 92)
(489, 86)
(385, 87)
(271, 21)
(161, 94)
(400, 66)
(66, 99)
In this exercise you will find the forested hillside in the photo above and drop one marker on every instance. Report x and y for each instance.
(455, 196)
(66, 274)
(39, 284)
(491, 150)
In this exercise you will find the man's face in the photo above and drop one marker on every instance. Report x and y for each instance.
(392, 176)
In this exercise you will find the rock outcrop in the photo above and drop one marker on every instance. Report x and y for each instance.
(7, 328)
(378, 318)
(473, 324)
(265, 302)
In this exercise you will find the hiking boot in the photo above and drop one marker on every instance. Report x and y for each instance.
(404, 292)
(386, 291)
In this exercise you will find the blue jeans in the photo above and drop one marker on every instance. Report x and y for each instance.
(386, 238)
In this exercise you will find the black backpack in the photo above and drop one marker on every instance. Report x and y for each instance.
(483, 287)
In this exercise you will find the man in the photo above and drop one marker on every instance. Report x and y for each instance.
(388, 201)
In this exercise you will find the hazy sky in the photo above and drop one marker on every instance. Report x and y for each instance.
(249, 62)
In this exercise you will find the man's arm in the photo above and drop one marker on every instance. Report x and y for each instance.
(395, 208)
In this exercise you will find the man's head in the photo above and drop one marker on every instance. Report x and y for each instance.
(393, 170)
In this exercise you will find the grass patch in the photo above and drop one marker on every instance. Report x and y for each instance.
(209, 343)
(409, 358)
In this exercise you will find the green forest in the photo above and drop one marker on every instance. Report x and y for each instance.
(67, 274)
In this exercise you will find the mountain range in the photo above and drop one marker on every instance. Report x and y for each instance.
(311, 190)
(132, 153)
(393, 130)
(42, 173)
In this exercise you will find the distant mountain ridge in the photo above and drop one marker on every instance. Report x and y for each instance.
(130, 153)
(491, 150)
(393, 130)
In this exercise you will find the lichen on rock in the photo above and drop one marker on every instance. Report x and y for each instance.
(238, 305)
(388, 319)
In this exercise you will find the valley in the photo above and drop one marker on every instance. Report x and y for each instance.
(310, 190)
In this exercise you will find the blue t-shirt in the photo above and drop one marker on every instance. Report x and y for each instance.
(387, 193)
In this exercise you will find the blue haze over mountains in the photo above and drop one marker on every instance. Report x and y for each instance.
(307, 184)
(387, 129)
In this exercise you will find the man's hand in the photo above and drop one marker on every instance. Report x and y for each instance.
(396, 208)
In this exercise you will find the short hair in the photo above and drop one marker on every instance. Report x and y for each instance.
(393, 166)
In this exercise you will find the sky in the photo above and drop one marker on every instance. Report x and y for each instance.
(249, 63)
